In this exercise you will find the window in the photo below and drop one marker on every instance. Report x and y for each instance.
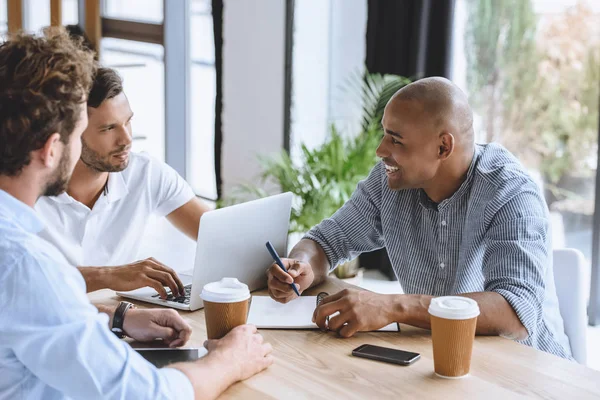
(3, 18)
(311, 73)
(36, 14)
(142, 68)
(134, 10)
(328, 57)
(70, 12)
(531, 69)
(201, 154)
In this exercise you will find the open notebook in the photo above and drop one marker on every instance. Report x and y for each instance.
(297, 314)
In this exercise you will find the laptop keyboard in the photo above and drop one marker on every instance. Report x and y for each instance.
(181, 299)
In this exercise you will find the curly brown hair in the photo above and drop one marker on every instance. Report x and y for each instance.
(43, 82)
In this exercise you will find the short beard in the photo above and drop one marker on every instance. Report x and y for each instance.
(96, 162)
(59, 181)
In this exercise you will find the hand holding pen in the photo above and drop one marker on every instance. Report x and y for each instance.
(279, 263)
(287, 283)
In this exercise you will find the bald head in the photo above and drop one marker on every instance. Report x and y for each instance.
(428, 141)
(444, 104)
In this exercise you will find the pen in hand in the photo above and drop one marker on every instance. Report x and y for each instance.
(279, 263)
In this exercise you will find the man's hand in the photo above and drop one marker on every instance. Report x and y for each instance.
(359, 311)
(238, 356)
(148, 272)
(146, 325)
(242, 348)
(299, 273)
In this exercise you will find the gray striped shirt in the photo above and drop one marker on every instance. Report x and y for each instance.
(492, 234)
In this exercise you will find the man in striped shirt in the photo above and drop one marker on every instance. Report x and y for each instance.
(455, 218)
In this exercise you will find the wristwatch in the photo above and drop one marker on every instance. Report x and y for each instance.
(119, 317)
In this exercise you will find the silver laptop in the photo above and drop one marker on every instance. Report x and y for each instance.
(231, 243)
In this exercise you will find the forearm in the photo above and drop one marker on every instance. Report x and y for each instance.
(210, 376)
(96, 278)
(310, 252)
(187, 217)
(496, 317)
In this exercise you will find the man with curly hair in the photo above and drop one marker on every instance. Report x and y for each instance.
(54, 344)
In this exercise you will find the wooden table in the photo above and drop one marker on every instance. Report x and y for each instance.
(319, 365)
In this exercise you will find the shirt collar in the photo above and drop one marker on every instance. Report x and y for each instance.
(19, 213)
(464, 187)
(116, 189)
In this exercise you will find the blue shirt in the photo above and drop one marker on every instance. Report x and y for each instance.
(490, 235)
(53, 342)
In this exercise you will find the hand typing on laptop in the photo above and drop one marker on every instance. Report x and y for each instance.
(148, 272)
(216, 259)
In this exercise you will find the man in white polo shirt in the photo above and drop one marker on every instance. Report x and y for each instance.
(99, 222)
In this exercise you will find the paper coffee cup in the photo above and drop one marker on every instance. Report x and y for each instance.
(225, 306)
(453, 323)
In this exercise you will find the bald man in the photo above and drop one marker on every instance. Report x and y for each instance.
(456, 219)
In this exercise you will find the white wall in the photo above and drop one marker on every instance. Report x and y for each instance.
(329, 50)
(253, 86)
(310, 73)
(348, 55)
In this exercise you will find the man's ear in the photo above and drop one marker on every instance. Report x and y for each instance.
(50, 153)
(446, 147)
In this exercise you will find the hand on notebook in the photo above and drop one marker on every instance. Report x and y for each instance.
(145, 325)
(359, 311)
(299, 273)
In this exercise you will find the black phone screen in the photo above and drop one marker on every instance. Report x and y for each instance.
(386, 354)
(163, 357)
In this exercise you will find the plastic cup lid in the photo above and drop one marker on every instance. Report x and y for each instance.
(227, 290)
(454, 307)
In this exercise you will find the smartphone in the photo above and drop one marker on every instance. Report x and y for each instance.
(161, 357)
(386, 354)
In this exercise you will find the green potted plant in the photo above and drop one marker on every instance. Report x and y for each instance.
(325, 177)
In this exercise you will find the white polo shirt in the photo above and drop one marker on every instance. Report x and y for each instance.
(111, 232)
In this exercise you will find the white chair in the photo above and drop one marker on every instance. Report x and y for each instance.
(569, 277)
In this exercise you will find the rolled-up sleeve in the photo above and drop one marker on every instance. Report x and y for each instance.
(356, 227)
(57, 335)
(517, 257)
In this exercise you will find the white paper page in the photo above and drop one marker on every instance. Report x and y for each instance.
(297, 314)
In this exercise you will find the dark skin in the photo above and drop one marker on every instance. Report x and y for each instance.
(428, 144)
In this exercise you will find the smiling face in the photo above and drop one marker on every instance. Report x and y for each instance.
(410, 148)
(107, 140)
